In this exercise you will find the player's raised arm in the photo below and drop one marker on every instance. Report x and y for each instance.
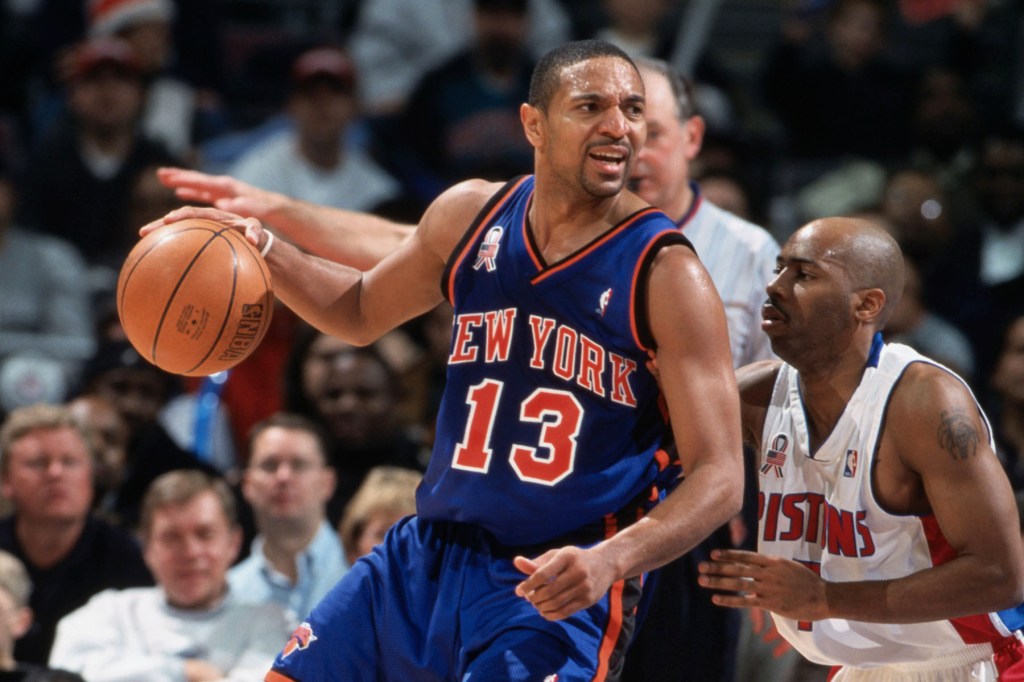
(357, 239)
(351, 304)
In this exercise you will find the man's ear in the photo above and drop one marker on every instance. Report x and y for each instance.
(533, 124)
(870, 304)
(695, 127)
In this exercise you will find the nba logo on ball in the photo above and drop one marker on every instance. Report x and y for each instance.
(250, 328)
(195, 297)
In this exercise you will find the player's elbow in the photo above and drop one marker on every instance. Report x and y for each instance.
(729, 492)
(1012, 586)
(1003, 584)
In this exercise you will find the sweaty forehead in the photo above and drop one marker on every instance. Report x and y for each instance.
(605, 75)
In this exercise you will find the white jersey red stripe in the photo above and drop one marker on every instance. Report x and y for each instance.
(819, 508)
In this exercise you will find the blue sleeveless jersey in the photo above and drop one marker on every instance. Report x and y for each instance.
(550, 420)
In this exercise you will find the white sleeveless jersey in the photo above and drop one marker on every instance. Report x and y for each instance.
(818, 508)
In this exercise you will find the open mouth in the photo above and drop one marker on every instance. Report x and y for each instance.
(610, 159)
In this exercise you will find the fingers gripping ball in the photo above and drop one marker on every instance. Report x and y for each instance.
(194, 297)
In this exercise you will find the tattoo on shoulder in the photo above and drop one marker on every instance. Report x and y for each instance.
(957, 434)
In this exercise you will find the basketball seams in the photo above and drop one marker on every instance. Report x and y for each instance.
(228, 309)
(176, 289)
(127, 274)
(186, 278)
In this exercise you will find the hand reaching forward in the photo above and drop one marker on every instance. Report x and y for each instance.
(562, 581)
(221, 191)
(781, 586)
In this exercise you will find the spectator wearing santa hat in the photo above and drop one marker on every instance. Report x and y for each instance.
(175, 109)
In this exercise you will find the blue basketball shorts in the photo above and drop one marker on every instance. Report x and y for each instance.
(435, 602)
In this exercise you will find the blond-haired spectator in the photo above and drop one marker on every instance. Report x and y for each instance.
(15, 589)
(386, 495)
(46, 471)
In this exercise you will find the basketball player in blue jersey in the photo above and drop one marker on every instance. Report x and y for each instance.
(886, 520)
(537, 515)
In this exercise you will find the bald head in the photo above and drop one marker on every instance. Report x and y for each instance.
(871, 257)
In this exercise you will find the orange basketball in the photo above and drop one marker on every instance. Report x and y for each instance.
(194, 297)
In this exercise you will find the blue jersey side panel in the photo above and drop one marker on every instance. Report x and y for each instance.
(550, 419)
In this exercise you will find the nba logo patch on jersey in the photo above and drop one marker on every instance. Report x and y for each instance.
(850, 468)
(301, 638)
(775, 458)
(489, 249)
(602, 303)
(551, 678)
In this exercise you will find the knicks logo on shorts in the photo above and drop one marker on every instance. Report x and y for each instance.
(301, 638)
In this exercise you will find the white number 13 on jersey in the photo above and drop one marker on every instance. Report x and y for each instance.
(559, 412)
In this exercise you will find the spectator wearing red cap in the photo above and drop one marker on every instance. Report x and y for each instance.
(78, 180)
(315, 159)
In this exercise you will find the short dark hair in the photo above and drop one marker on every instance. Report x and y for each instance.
(547, 74)
(682, 87)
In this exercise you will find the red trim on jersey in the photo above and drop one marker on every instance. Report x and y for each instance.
(612, 632)
(575, 258)
(662, 458)
(454, 267)
(274, 676)
(632, 288)
(975, 629)
(531, 249)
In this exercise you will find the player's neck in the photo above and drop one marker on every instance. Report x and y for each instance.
(282, 546)
(827, 385)
(681, 204)
(562, 223)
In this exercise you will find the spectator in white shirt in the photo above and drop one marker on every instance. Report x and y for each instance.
(190, 626)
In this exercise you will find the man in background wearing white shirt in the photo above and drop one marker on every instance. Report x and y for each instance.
(190, 626)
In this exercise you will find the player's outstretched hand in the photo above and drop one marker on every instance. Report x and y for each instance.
(250, 227)
(562, 581)
(748, 579)
(223, 192)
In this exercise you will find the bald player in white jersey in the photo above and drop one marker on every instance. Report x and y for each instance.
(886, 541)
